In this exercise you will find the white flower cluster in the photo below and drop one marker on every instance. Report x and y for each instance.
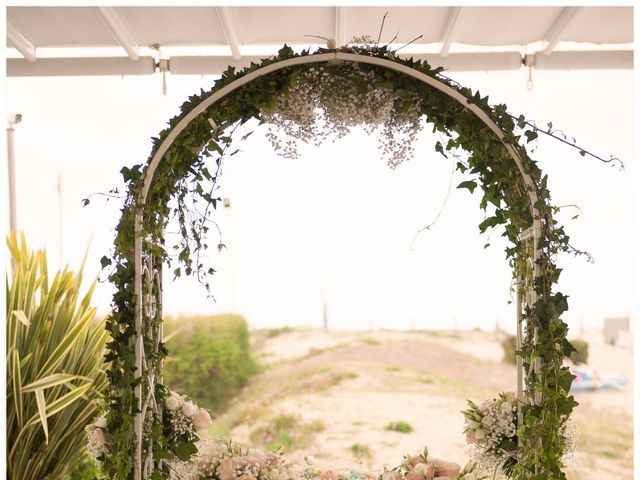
(361, 40)
(500, 422)
(221, 459)
(493, 423)
(571, 435)
(185, 418)
(96, 441)
(327, 101)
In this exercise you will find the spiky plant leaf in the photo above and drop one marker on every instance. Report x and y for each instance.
(54, 366)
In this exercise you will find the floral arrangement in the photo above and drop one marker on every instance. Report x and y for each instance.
(491, 430)
(223, 459)
(424, 467)
(493, 425)
(182, 419)
(96, 444)
(324, 102)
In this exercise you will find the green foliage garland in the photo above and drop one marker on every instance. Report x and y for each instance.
(190, 169)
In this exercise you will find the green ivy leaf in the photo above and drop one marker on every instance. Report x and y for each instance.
(162, 454)
(470, 184)
(565, 378)
(489, 222)
(185, 451)
(531, 135)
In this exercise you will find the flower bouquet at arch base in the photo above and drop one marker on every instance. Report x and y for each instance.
(491, 432)
(182, 419)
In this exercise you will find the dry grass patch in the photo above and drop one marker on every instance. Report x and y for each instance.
(285, 433)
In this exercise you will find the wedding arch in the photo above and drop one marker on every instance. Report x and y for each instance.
(515, 199)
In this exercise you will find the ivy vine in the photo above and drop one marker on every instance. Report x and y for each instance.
(187, 178)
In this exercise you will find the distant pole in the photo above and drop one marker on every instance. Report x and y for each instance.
(13, 120)
(60, 227)
(227, 206)
(325, 315)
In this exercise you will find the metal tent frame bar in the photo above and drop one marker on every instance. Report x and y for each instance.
(215, 65)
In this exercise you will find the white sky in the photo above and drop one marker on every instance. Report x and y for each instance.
(337, 220)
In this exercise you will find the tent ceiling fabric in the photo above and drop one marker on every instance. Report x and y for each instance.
(240, 30)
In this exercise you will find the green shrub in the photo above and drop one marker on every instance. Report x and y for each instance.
(509, 350)
(54, 367)
(209, 358)
(402, 427)
(360, 451)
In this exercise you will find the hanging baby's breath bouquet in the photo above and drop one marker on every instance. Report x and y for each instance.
(326, 101)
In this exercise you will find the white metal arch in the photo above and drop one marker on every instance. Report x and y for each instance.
(534, 234)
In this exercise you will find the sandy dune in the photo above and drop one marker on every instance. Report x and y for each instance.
(355, 384)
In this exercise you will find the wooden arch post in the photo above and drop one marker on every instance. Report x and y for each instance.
(148, 293)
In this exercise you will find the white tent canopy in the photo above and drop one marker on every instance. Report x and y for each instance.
(204, 40)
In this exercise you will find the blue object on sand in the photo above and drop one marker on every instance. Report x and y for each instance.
(588, 380)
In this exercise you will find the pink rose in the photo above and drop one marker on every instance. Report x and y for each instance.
(227, 469)
(446, 469)
(98, 436)
(258, 457)
(413, 475)
(201, 420)
(328, 475)
(392, 475)
(425, 470)
(471, 438)
(101, 422)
